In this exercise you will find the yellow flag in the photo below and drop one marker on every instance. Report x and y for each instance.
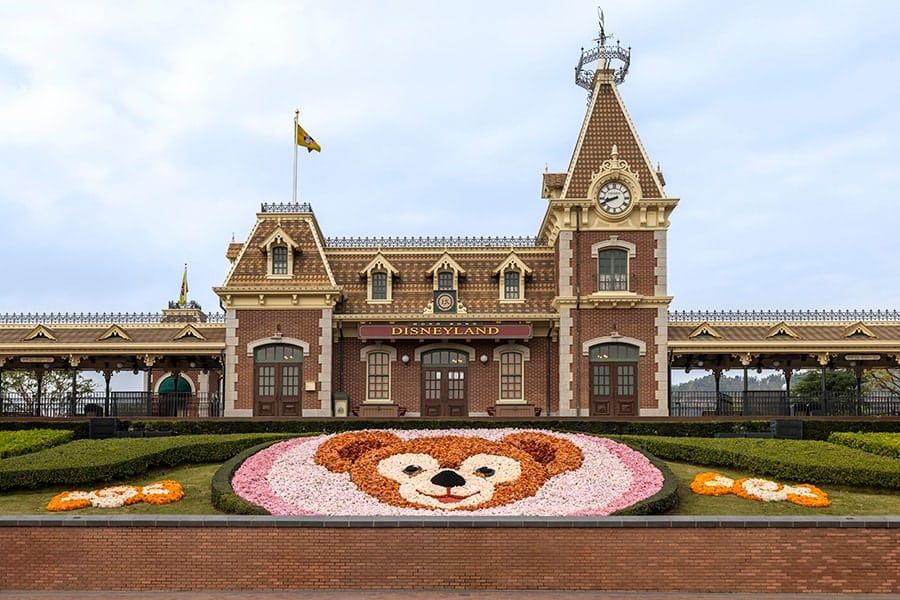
(305, 140)
(182, 297)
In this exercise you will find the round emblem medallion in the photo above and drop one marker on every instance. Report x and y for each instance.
(445, 301)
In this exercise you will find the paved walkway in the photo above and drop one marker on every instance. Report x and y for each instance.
(431, 595)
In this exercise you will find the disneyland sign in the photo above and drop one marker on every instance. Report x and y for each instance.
(466, 331)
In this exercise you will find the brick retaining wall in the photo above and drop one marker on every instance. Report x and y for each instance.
(709, 554)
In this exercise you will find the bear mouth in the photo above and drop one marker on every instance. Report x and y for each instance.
(450, 498)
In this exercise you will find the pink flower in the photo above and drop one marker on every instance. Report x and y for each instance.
(285, 480)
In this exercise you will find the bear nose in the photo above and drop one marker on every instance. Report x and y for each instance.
(448, 479)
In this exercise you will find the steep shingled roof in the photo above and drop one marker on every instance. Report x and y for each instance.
(607, 124)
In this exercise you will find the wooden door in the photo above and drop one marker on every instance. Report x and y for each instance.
(614, 390)
(445, 384)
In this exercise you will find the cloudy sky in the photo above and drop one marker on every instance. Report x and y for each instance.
(136, 137)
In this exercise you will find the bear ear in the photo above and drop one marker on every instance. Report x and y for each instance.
(340, 452)
(556, 454)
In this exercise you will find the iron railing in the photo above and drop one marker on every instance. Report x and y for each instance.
(757, 316)
(778, 403)
(117, 404)
(92, 318)
(435, 242)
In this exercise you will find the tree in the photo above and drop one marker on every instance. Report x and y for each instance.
(885, 380)
(734, 383)
(838, 382)
(56, 388)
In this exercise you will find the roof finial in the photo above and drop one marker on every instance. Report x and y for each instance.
(605, 54)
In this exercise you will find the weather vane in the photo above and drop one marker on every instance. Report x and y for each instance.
(606, 54)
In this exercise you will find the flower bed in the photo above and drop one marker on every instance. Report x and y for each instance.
(763, 490)
(161, 492)
(443, 472)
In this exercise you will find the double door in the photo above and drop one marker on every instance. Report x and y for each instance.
(445, 384)
(278, 390)
(614, 390)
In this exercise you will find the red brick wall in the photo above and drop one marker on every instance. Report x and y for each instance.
(637, 323)
(729, 557)
(261, 324)
(641, 268)
(484, 381)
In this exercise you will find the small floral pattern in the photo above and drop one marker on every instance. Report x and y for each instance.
(599, 478)
(161, 492)
(763, 490)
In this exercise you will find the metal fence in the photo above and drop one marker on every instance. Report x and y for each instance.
(117, 404)
(778, 403)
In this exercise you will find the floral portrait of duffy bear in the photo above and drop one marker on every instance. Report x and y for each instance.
(449, 472)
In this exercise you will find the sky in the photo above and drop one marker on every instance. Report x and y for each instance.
(137, 137)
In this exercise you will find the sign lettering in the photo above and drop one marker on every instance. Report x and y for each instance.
(445, 331)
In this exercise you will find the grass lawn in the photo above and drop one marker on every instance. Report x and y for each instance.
(196, 482)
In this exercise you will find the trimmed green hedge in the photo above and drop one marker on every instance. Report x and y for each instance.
(786, 460)
(300, 426)
(88, 461)
(14, 443)
(885, 444)
(816, 428)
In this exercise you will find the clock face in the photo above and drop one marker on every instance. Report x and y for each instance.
(614, 198)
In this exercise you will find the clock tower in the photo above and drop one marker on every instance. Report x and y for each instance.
(607, 218)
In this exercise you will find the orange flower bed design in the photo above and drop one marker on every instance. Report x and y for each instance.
(161, 492)
(762, 490)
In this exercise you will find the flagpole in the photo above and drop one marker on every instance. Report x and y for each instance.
(296, 125)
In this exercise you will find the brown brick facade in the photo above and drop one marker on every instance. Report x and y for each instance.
(539, 373)
(266, 325)
(716, 555)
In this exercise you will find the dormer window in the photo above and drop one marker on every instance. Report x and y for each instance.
(379, 285)
(445, 280)
(380, 274)
(511, 285)
(280, 260)
(511, 273)
(445, 273)
(279, 249)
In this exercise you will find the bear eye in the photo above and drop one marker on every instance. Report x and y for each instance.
(412, 469)
(485, 471)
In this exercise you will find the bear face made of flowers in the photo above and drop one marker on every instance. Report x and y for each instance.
(449, 472)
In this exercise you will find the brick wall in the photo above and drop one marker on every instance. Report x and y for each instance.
(484, 381)
(712, 554)
(261, 324)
